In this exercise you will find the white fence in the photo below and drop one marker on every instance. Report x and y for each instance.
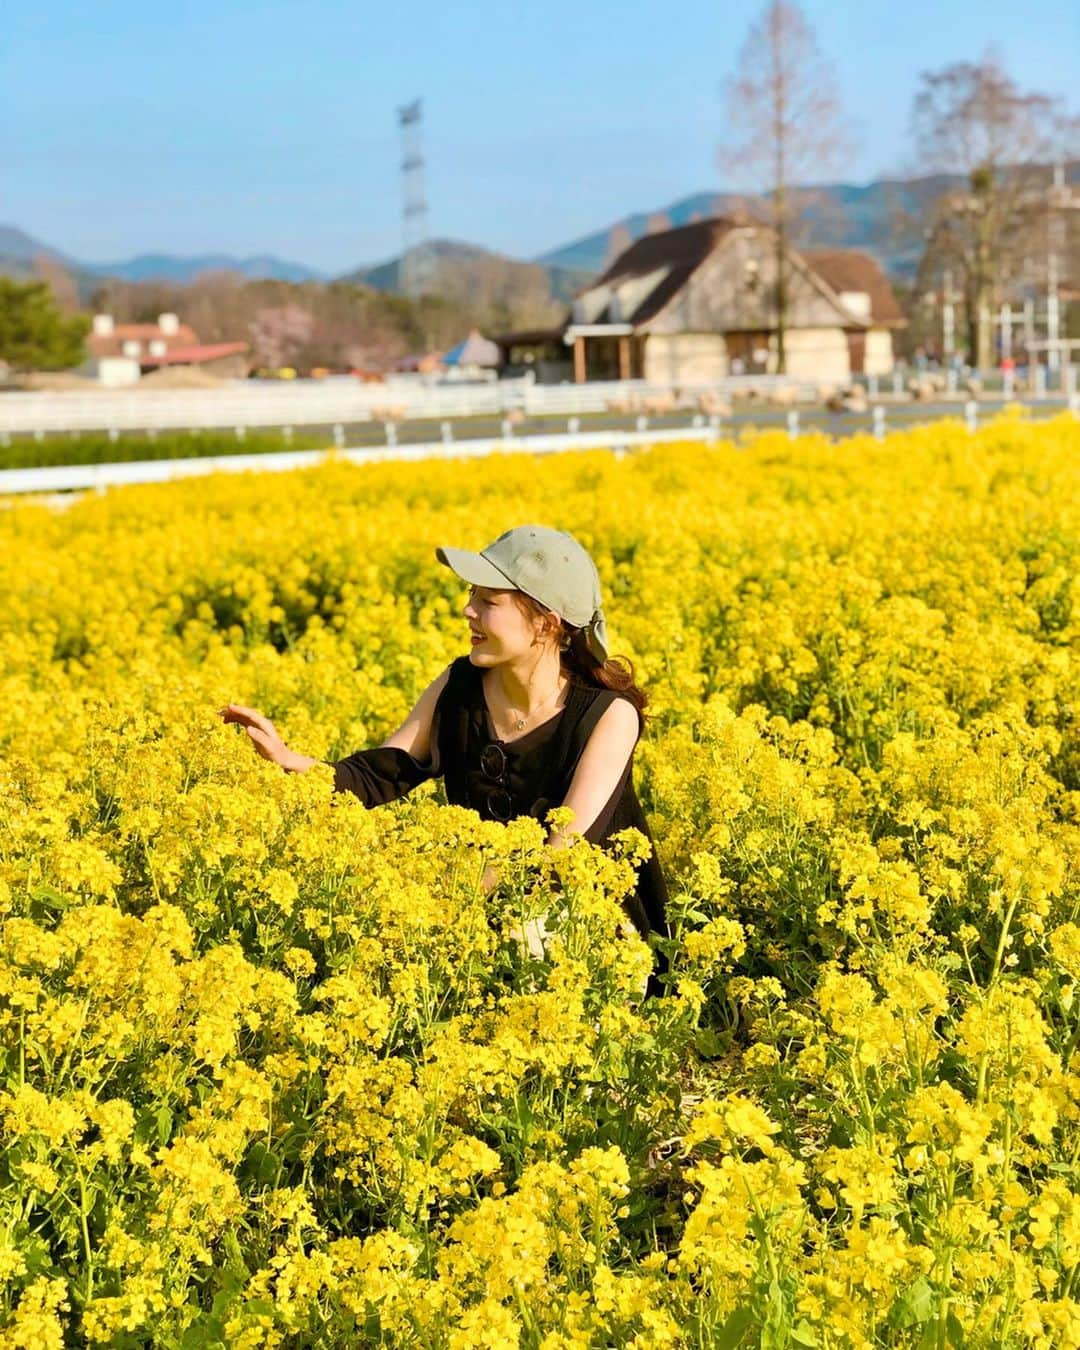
(331, 402)
(75, 478)
(78, 477)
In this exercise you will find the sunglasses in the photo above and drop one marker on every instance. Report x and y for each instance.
(493, 767)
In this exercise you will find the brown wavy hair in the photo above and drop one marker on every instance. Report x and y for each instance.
(617, 672)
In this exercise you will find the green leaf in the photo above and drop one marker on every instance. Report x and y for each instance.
(51, 898)
(802, 1333)
(207, 1332)
(915, 1305)
(164, 1122)
(731, 1333)
(265, 1165)
(710, 1044)
(223, 1300)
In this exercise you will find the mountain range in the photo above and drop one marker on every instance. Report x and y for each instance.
(883, 217)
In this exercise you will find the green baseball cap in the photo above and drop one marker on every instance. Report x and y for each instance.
(548, 565)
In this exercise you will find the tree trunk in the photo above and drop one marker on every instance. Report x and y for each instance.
(781, 296)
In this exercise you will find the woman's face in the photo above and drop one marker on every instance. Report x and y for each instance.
(499, 631)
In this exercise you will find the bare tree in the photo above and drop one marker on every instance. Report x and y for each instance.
(61, 282)
(972, 120)
(786, 130)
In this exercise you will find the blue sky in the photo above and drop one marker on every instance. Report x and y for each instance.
(270, 128)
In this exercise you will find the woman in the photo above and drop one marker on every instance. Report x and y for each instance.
(535, 716)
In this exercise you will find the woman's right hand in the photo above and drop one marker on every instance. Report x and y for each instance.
(261, 732)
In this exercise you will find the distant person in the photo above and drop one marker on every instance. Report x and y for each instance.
(536, 715)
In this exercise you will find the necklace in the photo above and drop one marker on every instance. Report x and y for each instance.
(519, 723)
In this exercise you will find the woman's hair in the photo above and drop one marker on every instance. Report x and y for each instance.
(617, 672)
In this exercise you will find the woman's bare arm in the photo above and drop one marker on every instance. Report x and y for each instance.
(601, 767)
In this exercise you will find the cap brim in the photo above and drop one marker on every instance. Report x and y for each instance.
(474, 568)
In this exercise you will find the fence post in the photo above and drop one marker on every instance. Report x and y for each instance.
(971, 414)
(390, 431)
(573, 426)
(878, 416)
(793, 423)
(897, 381)
(714, 428)
(1040, 381)
(447, 432)
(642, 422)
(114, 435)
(1007, 384)
(240, 433)
(507, 428)
(950, 380)
(339, 435)
(287, 433)
(872, 386)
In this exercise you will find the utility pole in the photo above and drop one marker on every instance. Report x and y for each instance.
(948, 319)
(1061, 199)
(1053, 314)
(414, 276)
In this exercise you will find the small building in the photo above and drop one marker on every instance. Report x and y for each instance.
(697, 303)
(863, 289)
(151, 346)
(473, 357)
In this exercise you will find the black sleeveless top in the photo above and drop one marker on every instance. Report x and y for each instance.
(540, 766)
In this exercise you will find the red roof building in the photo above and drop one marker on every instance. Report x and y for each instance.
(165, 343)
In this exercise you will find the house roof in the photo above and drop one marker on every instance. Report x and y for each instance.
(847, 269)
(474, 350)
(112, 344)
(528, 337)
(194, 355)
(669, 257)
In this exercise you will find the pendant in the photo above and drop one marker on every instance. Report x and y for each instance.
(519, 723)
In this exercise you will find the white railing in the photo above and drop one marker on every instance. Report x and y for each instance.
(339, 402)
(79, 477)
(75, 478)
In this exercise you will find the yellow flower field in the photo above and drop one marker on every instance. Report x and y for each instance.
(274, 1072)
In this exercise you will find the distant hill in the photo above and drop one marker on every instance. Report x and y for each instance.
(882, 218)
(876, 217)
(19, 249)
(386, 276)
(452, 256)
(17, 245)
(171, 267)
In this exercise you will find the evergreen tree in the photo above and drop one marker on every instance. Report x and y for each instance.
(34, 334)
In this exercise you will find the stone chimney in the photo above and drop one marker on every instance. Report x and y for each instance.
(169, 324)
(103, 325)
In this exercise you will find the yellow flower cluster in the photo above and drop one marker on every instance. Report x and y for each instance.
(275, 1070)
